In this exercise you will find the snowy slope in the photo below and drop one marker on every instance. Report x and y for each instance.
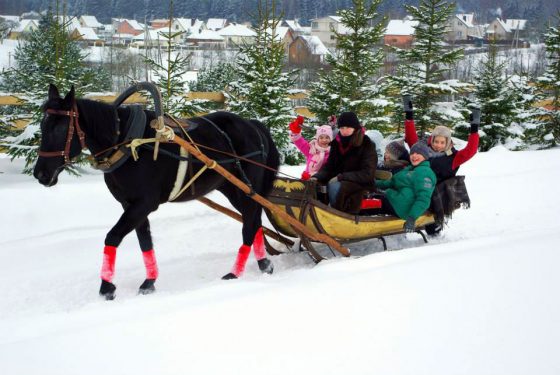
(482, 299)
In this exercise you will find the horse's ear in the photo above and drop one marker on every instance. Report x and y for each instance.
(69, 98)
(53, 92)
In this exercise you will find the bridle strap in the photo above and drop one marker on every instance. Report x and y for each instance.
(74, 126)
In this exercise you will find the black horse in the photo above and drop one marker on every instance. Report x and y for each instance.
(70, 125)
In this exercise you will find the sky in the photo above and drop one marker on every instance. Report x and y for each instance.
(480, 299)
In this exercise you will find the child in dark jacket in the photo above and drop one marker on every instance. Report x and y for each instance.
(350, 169)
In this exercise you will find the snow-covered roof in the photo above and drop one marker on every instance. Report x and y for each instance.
(87, 33)
(26, 25)
(466, 18)
(209, 35)
(10, 18)
(516, 24)
(401, 27)
(70, 22)
(294, 25)
(236, 30)
(90, 21)
(316, 47)
(503, 24)
(135, 24)
(156, 34)
(280, 32)
(216, 23)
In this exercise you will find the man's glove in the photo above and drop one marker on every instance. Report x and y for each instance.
(475, 120)
(407, 107)
(295, 126)
(409, 226)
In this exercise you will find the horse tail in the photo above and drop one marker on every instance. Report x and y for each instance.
(272, 160)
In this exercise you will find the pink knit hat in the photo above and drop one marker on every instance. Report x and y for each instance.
(324, 130)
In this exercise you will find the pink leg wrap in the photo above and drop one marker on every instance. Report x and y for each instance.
(108, 267)
(151, 264)
(258, 245)
(241, 260)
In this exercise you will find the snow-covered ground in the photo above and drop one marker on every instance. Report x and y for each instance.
(482, 299)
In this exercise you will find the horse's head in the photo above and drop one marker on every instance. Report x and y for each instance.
(61, 136)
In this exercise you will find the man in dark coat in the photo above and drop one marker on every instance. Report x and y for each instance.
(350, 169)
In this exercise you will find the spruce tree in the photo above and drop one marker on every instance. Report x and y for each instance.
(170, 76)
(261, 91)
(47, 55)
(350, 82)
(422, 68)
(497, 102)
(549, 134)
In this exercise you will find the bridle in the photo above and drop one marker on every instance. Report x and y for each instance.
(74, 126)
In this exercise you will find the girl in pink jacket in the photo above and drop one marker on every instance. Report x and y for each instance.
(316, 151)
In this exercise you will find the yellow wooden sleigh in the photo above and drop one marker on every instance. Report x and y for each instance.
(299, 199)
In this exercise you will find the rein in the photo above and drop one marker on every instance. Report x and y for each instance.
(74, 126)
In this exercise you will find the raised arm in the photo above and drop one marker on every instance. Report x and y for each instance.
(410, 135)
(472, 143)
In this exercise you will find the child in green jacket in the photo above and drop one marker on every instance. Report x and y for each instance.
(408, 193)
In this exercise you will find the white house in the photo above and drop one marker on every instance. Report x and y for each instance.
(150, 39)
(90, 21)
(187, 26)
(323, 29)
(70, 23)
(237, 34)
(460, 27)
(207, 38)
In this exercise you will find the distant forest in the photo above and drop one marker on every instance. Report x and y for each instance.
(537, 11)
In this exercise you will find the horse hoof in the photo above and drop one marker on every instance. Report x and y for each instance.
(229, 276)
(107, 290)
(147, 287)
(266, 266)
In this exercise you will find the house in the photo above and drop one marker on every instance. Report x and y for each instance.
(186, 26)
(282, 34)
(307, 50)
(237, 34)
(70, 23)
(518, 28)
(460, 27)
(324, 28)
(207, 38)
(106, 32)
(159, 23)
(296, 28)
(90, 21)
(24, 26)
(216, 23)
(400, 33)
(87, 35)
(130, 27)
(152, 38)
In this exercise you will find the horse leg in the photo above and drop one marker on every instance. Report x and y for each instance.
(133, 216)
(149, 257)
(265, 265)
(251, 212)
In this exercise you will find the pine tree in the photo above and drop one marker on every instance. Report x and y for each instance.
(422, 68)
(261, 92)
(48, 55)
(497, 102)
(170, 77)
(350, 83)
(549, 134)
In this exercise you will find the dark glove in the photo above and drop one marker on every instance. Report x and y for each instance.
(409, 226)
(295, 126)
(475, 120)
(407, 107)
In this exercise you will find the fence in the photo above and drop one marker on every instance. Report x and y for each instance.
(218, 97)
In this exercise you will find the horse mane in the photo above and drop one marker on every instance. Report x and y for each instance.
(102, 120)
